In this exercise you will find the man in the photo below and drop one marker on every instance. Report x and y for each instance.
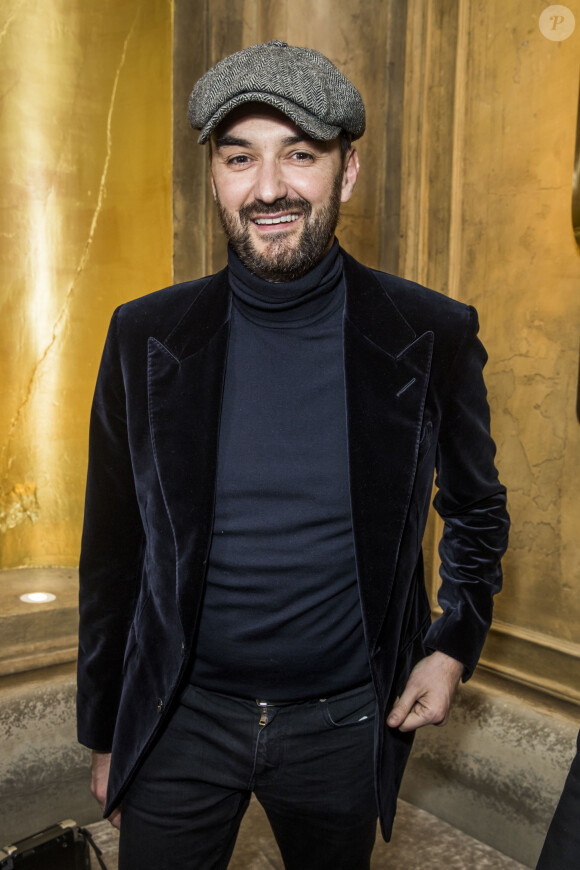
(263, 444)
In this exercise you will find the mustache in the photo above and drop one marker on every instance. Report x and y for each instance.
(263, 209)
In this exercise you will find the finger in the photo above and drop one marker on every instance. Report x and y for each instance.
(412, 722)
(418, 716)
(115, 818)
(402, 708)
(423, 714)
(99, 796)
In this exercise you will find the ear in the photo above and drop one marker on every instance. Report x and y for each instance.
(213, 187)
(350, 175)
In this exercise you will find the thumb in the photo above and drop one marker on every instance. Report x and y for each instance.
(401, 709)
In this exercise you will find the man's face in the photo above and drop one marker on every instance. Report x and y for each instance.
(278, 192)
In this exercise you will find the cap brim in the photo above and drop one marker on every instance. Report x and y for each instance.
(312, 126)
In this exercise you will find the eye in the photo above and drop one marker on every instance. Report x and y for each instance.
(302, 157)
(238, 160)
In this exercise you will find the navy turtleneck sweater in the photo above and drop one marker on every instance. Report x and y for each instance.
(281, 616)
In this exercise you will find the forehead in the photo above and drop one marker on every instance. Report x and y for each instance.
(257, 123)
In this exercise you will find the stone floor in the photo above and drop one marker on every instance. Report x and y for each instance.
(420, 842)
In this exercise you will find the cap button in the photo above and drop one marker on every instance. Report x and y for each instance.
(278, 43)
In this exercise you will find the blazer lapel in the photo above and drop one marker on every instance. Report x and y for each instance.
(387, 373)
(185, 381)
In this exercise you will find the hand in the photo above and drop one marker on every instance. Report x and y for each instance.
(99, 780)
(428, 694)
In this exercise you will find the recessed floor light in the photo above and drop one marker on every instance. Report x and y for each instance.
(37, 597)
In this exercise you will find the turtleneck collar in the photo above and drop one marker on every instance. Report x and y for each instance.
(292, 303)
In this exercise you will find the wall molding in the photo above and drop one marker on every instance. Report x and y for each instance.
(534, 659)
(38, 635)
(21, 658)
(531, 658)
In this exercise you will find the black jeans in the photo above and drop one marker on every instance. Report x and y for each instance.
(309, 764)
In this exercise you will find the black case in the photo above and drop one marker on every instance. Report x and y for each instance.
(60, 847)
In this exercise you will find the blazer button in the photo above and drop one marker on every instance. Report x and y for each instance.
(159, 705)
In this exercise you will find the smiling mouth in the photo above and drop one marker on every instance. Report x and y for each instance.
(283, 219)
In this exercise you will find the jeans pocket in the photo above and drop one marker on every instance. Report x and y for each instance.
(350, 708)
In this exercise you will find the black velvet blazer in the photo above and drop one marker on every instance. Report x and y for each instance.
(416, 403)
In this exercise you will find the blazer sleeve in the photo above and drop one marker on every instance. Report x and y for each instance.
(472, 503)
(111, 555)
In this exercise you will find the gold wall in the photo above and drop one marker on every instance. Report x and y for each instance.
(514, 256)
(85, 223)
(488, 130)
(465, 185)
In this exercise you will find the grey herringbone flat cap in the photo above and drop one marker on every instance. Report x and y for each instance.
(300, 82)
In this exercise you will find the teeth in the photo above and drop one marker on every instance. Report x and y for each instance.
(285, 219)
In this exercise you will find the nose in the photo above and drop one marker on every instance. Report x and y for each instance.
(270, 184)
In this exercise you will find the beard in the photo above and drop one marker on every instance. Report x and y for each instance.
(283, 259)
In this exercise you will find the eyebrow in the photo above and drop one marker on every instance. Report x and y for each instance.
(223, 141)
(235, 141)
